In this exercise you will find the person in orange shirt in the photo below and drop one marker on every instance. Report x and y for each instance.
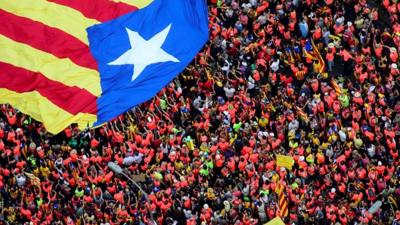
(394, 56)
(329, 2)
(330, 57)
(317, 33)
(11, 117)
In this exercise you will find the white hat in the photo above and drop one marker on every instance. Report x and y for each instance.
(333, 190)
(394, 65)
(32, 145)
(205, 206)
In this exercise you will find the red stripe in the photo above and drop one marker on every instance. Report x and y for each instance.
(45, 38)
(281, 195)
(101, 10)
(283, 209)
(72, 99)
(284, 212)
(281, 203)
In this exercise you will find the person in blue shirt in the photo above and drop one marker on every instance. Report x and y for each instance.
(303, 26)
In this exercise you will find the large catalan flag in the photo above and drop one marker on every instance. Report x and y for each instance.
(88, 61)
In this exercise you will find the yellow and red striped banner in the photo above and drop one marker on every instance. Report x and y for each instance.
(282, 201)
(315, 55)
(46, 68)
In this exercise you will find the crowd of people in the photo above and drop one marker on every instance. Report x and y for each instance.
(316, 80)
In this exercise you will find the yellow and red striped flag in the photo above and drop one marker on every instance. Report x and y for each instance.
(311, 52)
(282, 201)
(34, 179)
(46, 68)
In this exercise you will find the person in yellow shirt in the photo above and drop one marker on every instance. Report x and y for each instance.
(44, 170)
(263, 122)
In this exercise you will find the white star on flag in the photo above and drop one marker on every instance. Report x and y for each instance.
(144, 52)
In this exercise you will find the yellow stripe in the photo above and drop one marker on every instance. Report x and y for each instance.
(62, 70)
(51, 14)
(137, 3)
(281, 201)
(40, 108)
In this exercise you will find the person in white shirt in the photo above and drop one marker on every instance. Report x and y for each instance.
(275, 65)
(21, 180)
(229, 91)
